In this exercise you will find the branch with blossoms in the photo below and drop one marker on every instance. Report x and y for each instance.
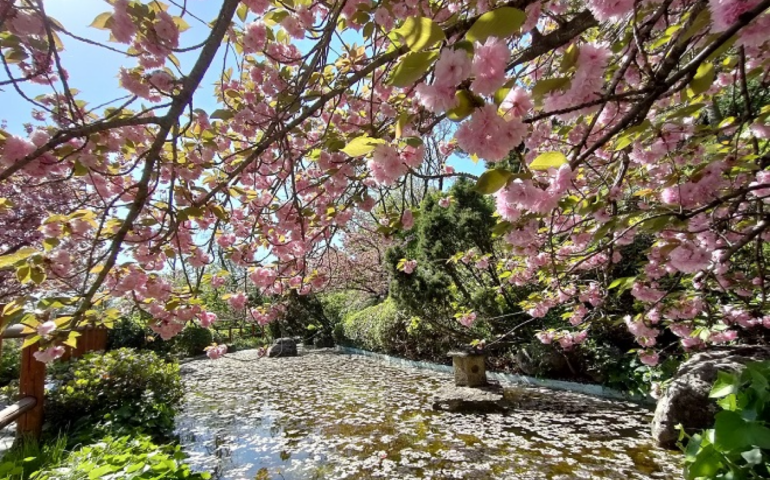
(603, 103)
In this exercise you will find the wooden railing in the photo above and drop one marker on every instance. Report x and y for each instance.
(27, 412)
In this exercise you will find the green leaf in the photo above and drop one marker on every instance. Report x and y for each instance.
(753, 457)
(548, 85)
(37, 275)
(731, 432)
(135, 467)
(50, 243)
(411, 67)
(361, 145)
(222, 114)
(101, 21)
(465, 106)
(548, 160)
(492, 181)
(622, 284)
(707, 464)
(726, 384)
(703, 79)
(502, 228)
(19, 255)
(569, 59)
(242, 12)
(501, 23)
(418, 33)
(730, 402)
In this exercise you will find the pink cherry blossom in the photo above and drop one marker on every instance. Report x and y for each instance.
(49, 354)
(452, 67)
(407, 220)
(649, 357)
(517, 103)
(724, 13)
(468, 319)
(610, 9)
(215, 352)
(386, 165)
(409, 266)
(46, 328)
(238, 301)
(490, 60)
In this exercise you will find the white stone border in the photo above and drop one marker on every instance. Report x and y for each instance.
(584, 388)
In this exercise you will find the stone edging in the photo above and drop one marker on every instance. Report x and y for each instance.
(584, 388)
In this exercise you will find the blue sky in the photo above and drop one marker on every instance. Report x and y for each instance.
(93, 70)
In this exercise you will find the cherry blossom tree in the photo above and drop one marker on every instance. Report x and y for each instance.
(607, 107)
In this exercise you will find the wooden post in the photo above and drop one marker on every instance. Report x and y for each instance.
(101, 343)
(31, 384)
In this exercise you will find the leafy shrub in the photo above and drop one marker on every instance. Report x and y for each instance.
(131, 332)
(374, 328)
(246, 343)
(127, 457)
(126, 388)
(738, 447)
(192, 340)
(29, 456)
(337, 305)
(383, 328)
(10, 361)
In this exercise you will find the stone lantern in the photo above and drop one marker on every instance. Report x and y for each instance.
(469, 367)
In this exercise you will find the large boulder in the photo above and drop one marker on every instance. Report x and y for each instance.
(283, 347)
(687, 402)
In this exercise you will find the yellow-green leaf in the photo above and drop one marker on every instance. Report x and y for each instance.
(465, 106)
(101, 21)
(21, 254)
(418, 33)
(30, 341)
(548, 160)
(492, 181)
(411, 67)
(361, 145)
(703, 79)
(501, 23)
(548, 85)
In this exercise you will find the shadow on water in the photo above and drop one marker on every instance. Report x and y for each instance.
(323, 417)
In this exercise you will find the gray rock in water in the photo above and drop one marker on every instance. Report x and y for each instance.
(283, 347)
(687, 401)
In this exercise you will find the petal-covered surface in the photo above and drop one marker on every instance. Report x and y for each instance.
(331, 416)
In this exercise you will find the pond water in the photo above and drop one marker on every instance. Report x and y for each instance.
(324, 416)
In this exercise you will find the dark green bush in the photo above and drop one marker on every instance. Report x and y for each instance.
(738, 447)
(10, 361)
(127, 457)
(123, 387)
(246, 343)
(132, 332)
(383, 328)
(192, 340)
(375, 328)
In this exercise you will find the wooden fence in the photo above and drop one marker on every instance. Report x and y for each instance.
(27, 412)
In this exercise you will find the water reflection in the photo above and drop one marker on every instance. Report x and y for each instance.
(328, 416)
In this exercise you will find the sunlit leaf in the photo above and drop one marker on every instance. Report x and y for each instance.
(548, 160)
(501, 23)
(418, 33)
(411, 67)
